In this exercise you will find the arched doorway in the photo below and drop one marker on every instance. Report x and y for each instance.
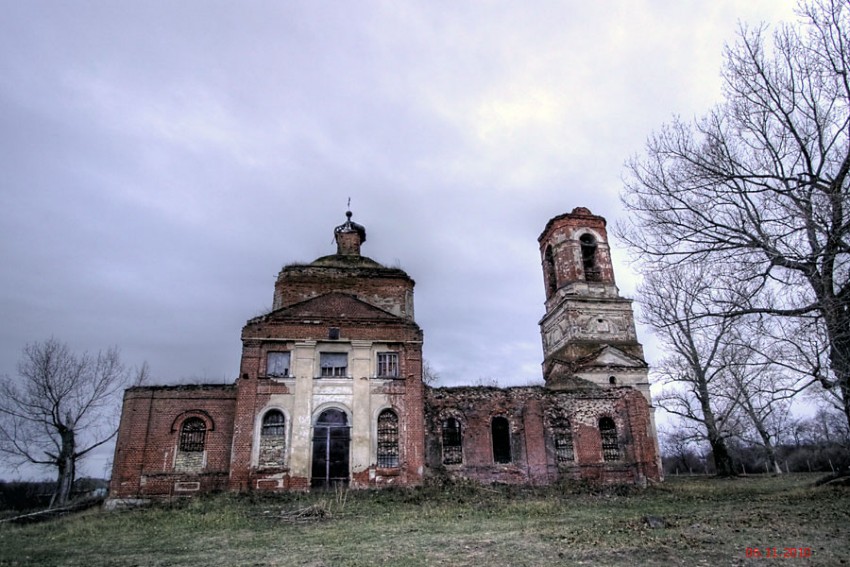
(331, 436)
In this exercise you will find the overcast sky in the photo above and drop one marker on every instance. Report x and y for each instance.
(161, 161)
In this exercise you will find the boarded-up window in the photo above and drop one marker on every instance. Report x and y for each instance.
(388, 364)
(452, 442)
(388, 439)
(610, 443)
(272, 439)
(333, 364)
(278, 364)
(192, 435)
(501, 433)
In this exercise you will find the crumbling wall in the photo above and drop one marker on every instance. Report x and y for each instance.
(530, 412)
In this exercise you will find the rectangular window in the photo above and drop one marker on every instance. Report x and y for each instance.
(610, 441)
(501, 432)
(333, 364)
(564, 447)
(452, 442)
(388, 364)
(277, 364)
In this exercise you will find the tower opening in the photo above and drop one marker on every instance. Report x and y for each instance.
(549, 267)
(592, 273)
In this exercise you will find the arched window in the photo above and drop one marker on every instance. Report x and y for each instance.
(549, 269)
(588, 258)
(501, 432)
(388, 439)
(452, 442)
(562, 434)
(610, 443)
(612, 380)
(193, 435)
(272, 439)
(274, 424)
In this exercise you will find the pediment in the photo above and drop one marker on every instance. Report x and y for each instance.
(332, 306)
(609, 356)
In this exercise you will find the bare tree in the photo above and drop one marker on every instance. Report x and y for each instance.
(758, 387)
(63, 407)
(430, 377)
(760, 185)
(675, 302)
(681, 450)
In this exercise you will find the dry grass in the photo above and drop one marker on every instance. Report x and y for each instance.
(707, 522)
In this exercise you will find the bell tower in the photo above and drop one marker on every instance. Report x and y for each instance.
(588, 331)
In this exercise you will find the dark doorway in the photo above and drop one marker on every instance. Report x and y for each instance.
(331, 436)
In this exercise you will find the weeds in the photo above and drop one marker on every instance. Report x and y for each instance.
(455, 523)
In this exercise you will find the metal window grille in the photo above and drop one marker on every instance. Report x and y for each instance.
(564, 447)
(278, 364)
(274, 424)
(333, 364)
(192, 435)
(388, 439)
(562, 434)
(388, 364)
(452, 442)
(610, 443)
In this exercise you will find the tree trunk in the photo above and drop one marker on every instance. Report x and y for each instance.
(722, 461)
(836, 314)
(66, 465)
(770, 452)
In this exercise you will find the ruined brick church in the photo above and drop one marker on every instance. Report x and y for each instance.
(330, 390)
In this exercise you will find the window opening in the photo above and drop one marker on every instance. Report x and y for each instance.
(388, 439)
(388, 364)
(333, 364)
(610, 443)
(274, 424)
(452, 442)
(588, 257)
(273, 439)
(333, 333)
(277, 364)
(192, 435)
(612, 380)
(563, 436)
(551, 277)
(500, 430)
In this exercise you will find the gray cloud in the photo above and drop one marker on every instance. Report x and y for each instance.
(161, 161)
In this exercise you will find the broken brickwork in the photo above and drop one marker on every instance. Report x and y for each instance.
(540, 420)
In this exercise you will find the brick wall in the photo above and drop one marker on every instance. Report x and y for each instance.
(387, 288)
(148, 435)
(533, 457)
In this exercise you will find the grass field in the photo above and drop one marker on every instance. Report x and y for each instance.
(706, 521)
